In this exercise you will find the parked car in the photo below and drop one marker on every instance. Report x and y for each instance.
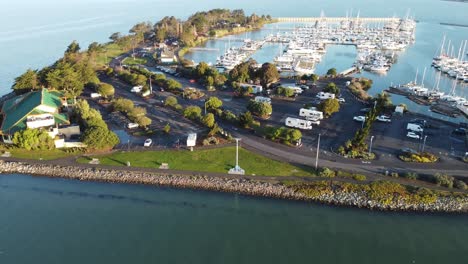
(132, 125)
(384, 118)
(341, 100)
(460, 131)
(305, 87)
(365, 110)
(409, 150)
(412, 135)
(359, 118)
(148, 142)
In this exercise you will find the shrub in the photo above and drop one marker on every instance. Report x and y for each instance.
(359, 177)
(210, 141)
(208, 120)
(444, 180)
(411, 175)
(329, 106)
(122, 105)
(171, 101)
(106, 90)
(327, 173)
(192, 112)
(459, 184)
(167, 129)
(395, 174)
(33, 139)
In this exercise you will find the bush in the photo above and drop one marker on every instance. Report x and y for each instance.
(329, 106)
(192, 112)
(245, 119)
(359, 177)
(122, 105)
(444, 180)
(208, 120)
(262, 110)
(424, 157)
(459, 184)
(99, 138)
(171, 101)
(167, 129)
(327, 173)
(106, 90)
(332, 88)
(411, 175)
(395, 174)
(33, 139)
(210, 141)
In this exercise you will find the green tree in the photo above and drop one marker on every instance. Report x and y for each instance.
(33, 139)
(332, 72)
(172, 84)
(143, 121)
(171, 101)
(332, 88)
(263, 110)
(268, 74)
(192, 112)
(106, 90)
(294, 135)
(26, 82)
(66, 79)
(136, 112)
(167, 128)
(246, 119)
(74, 47)
(383, 100)
(115, 36)
(209, 120)
(201, 69)
(100, 138)
(122, 105)
(213, 103)
(329, 106)
(140, 79)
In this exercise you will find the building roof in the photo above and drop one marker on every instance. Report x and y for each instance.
(16, 110)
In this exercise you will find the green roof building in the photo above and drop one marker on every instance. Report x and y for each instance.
(37, 109)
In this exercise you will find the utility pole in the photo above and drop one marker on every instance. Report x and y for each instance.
(317, 155)
(151, 87)
(370, 147)
(205, 106)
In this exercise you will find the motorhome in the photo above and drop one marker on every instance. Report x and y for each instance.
(414, 127)
(261, 99)
(191, 140)
(256, 89)
(311, 114)
(298, 123)
(324, 96)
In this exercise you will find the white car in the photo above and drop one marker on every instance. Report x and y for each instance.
(132, 125)
(359, 118)
(412, 135)
(384, 118)
(341, 100)
(148, 142)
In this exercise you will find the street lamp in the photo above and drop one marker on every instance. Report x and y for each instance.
(424, 144)
(205, 106)
(237, 169)
(370, 146)
(317, 155)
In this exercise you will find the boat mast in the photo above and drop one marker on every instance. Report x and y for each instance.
(424, 75)
(416, 76)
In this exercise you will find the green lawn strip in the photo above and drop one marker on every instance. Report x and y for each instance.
(40, 154)
(211, 160)
(134, 61)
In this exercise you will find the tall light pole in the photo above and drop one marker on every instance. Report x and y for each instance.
(424, 144)
(370, 146)
(317, 155)
(205, 106)
(151, 86)
(237, 169)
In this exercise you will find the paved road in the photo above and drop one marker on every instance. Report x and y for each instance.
(337, 130)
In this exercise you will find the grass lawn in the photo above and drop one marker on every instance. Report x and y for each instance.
(40, 154)
(113, 50)
(134, 61)
(210, 160)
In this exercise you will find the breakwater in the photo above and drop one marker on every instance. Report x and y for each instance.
(270, 189)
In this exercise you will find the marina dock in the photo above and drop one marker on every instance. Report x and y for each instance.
(338, 19)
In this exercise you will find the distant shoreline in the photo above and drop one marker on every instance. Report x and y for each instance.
(260, 188)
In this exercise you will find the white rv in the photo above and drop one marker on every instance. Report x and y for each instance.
(311, 114)
(137, 89)
(261, 99)
(297, 90)
(191, 140)
(414, 127)
(255, 88)
(324, 96)
(298, 123)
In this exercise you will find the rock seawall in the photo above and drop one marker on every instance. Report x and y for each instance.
(233, 185)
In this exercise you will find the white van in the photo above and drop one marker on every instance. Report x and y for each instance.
(132, 125)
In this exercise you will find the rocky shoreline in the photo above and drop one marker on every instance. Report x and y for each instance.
(232, 185)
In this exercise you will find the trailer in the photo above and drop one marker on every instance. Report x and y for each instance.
(324, 96)
(311, 114)
(261, 99)
(298, 123)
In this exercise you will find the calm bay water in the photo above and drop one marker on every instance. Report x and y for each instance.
(62, 221)
(58, 221)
